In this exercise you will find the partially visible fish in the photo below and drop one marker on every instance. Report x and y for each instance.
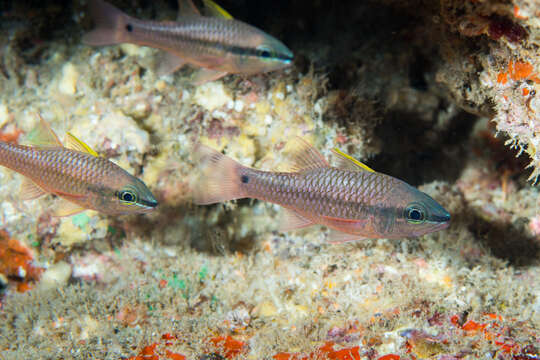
(350, 198)
(219, 45)
(75, 173)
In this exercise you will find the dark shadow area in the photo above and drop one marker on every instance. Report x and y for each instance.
(415, 152)
(174, 225)
(507, 241)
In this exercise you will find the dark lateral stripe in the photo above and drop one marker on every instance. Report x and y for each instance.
(238, 50)
(255, 52)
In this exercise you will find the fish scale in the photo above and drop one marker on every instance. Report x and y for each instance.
(352, 199)
(314, 190)
(70, 171)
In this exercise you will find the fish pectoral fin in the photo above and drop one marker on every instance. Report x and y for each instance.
(347, 162)
(43, 135)
(304, 156)
(187, 8)
(202, 76)
(168, 63)
(67, 208)
(73, 143)
(30, 190)
(213, 9)
(291, 220)
(338, 237)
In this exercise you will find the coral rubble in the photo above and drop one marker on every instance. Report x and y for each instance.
(429, 92)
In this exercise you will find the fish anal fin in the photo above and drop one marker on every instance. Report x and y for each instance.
(342, 230)
(291, 220)
(168, 63)
(43, 135)
(30, 190)
(187, 8)
(65, 207)
(304, 156)
(213, 9)
(204, 75)
(347, 162)
(73, 143)
(338, 237)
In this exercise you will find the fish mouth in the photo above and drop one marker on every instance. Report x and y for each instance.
(286, 57)
(432, 227)
(436, 226)
(439, 221)
(147, 205)
(444, 218)
(442, 225)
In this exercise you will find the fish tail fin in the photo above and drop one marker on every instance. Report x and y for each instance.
(219, 178)
(112, 25)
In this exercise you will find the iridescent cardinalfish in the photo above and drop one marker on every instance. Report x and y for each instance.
(75, 173)
(351, 199)
(219, 44)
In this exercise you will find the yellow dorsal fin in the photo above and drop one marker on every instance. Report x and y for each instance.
(215, 10)
(348, 162)
(43, 135)
(75, 144)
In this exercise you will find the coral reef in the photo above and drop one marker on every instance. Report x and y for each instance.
(507, 66)
(429, 92)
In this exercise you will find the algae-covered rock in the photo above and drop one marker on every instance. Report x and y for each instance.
(426, 91)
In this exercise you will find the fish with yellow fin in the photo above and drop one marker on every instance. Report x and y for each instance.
(351, 199)
(76, 174)
(218, 44)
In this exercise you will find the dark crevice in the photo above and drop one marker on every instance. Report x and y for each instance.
(507, 241)
(412, 154)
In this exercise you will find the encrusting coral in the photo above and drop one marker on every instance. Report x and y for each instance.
(409, 87)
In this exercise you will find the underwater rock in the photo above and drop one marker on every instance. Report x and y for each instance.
(408, 87)
(56, 276)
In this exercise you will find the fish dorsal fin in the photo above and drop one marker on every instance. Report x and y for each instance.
(43, 135)
(75, 144)
(187, 8)
(213, 9)
(30, 190)
(304, 156)
(347, 162)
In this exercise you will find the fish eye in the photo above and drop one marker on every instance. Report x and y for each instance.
(264, 52)
(415, 214)
(127, 196)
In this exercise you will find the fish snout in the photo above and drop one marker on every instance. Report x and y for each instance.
(149, 203)
(444, 218)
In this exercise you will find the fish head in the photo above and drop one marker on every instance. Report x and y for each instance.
(414, 213)
(135, 197)
(125, 194)
(263, 53)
